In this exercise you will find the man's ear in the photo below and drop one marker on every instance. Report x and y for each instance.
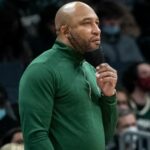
(64, 30)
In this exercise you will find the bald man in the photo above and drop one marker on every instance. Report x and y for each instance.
(60, 95)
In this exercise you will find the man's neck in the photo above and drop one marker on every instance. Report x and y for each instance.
(71, 45)
(63, 40)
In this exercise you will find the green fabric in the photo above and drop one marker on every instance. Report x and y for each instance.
(60, 105)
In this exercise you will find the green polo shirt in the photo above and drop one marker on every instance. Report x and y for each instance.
(61, 106)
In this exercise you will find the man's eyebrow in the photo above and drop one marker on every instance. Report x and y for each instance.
(89, 19)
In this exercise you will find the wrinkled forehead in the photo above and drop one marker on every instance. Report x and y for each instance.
(79, 12)
(73, 13)
(82, 13)
(77, 8)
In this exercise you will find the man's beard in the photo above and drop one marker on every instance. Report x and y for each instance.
(78, 44)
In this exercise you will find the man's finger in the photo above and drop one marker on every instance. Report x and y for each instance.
(107, 74)
(105, 67)
(108, 79)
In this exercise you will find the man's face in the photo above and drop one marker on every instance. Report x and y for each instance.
(144, 70)
(84, 32)
(126, 122)
(122, 100)
(143, 81)
(17, 138)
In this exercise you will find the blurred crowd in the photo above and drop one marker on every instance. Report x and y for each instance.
(27, 29)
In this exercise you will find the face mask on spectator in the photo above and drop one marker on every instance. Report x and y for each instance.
(2, 113)
(111, 33)
(111, 30)
(131, 140)
(144, 83)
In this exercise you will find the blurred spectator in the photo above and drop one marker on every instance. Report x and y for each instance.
(7, 118)
(129, 25)
(119, 49)
(128, 3)
(144, 23)
(122, 99)
(13, 146)
(142, 15)
(126, 119)
(126, 122)
(12, 44)
(45, 31)
(4, 103)
(47, 25)
(137, 82)
(27, 7)
(13, 136)
(20, 6)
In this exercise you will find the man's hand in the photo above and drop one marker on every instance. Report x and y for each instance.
(106, 79)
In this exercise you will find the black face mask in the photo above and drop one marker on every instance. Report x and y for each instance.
(95, 57)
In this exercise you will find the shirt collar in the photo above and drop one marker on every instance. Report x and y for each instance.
(76, 56)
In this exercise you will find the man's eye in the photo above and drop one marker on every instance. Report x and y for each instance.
(97, 23)
(86, 23)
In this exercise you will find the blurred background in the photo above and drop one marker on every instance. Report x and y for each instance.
(27, 29)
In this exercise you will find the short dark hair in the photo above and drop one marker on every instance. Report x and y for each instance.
(121, 88)
(109, 10)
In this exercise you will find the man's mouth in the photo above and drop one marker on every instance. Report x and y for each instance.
(97, 41)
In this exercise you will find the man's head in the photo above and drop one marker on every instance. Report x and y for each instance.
(143, 76)
(137, 76)
(13, 136)
(126, 120)
(127, 126)
(122, 99)
(77, 25)
(111, 14)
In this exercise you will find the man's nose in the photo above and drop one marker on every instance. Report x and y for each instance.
(96, 30)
